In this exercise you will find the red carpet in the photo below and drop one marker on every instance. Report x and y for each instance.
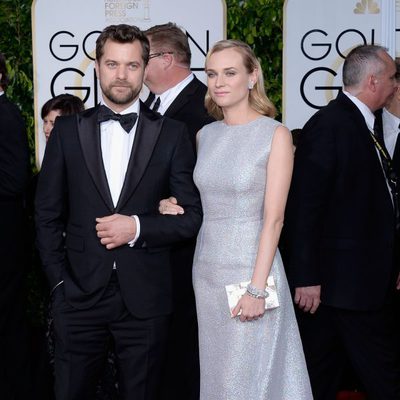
(346, 395)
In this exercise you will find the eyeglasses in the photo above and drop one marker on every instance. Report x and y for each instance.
(161, 53)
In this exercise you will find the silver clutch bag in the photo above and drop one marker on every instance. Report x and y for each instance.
(236, 290)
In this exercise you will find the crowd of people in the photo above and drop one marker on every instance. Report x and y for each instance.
(146, 211)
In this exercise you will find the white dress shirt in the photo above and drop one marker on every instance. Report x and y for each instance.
(390, 130)
(116, 148)
(171, 94)
(364, 109)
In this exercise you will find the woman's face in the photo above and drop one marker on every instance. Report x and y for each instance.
(227, 78)
(48, 122)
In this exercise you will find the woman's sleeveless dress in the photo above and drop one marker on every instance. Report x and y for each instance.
(258, 360)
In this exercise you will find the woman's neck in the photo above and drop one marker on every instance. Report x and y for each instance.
(239, 116)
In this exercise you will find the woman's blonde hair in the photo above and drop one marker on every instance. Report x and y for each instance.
(258, 99)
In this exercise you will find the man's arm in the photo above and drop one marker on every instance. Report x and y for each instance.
(155, 229)
(50, 206)
(309, 196)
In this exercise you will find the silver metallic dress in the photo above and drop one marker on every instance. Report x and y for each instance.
(258, 360)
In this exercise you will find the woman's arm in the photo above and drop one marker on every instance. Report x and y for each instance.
(279, 173)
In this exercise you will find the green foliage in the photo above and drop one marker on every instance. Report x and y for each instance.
(16, 45)
(259, 24)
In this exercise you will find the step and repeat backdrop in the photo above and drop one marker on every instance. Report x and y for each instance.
(65, 32)
(318, 34)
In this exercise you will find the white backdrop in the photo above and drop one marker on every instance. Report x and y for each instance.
(65, 32)
(318, 34)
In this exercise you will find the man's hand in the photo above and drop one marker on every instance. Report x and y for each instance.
(398, 282)
(170, 206)
(308, 298)
(115, 230)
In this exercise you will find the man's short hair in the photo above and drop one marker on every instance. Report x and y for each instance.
(362, 61)
(4, 81)
(122, 34)
(170, 38)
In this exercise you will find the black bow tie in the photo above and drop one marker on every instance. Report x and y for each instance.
(126, 120)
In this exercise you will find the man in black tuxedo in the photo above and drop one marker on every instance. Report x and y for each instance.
(341, 227)
(178, 94)
(102, 177)
(14, 178)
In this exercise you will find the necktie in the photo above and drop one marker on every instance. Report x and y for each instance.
(127, 121)
(156, 105)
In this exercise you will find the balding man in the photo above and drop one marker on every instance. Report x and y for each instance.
(341, 224)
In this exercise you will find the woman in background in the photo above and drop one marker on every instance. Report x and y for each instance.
(243, 173)
(63, 104)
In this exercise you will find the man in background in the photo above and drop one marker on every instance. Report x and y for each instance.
(391, 123)
(341, 226)
(14, 179)
(176, 93)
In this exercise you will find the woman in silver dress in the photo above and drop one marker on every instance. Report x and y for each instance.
(243, 173)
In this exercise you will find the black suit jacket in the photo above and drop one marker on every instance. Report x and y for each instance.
(188, 107)
(339, 219)
(14, 179)
(73, 191)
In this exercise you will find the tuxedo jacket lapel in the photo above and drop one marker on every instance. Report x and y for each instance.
(182, 98)
(147, 132)
(150, 99)
(89, 136)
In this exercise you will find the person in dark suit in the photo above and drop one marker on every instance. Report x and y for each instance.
(181, 97)
(103, 175)
(174, 89)
(341, 226)
(14, 179)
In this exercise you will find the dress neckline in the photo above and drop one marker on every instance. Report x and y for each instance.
(245, 124)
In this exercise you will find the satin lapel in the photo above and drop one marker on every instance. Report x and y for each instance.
(89, 136)
(150, 99)
(182, 98)
(147, 132)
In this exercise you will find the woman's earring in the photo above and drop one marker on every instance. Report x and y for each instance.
(251, 85)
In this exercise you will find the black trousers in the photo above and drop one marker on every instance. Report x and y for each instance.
(14, 340)
(369, 340)
(181, 375)
(81, 344)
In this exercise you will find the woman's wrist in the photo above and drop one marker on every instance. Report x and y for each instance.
(255, 292)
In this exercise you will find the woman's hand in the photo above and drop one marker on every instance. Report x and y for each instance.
(252, 308)
(170, 206)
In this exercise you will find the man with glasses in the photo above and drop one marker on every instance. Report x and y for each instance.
(178, 94)
(175, 90)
